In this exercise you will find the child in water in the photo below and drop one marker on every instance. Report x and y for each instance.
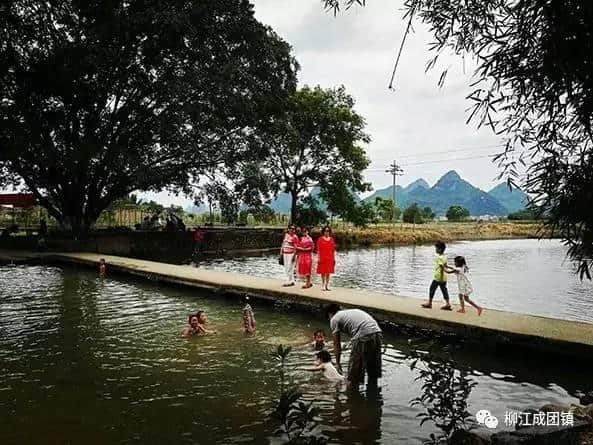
(192, 329)
(202, 320)
(102, 267)
(465, 287)
(248, 317)
(324, 364)
(318, 343)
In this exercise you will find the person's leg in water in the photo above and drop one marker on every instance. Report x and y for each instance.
(462, 304)
(443, 286)
(356, 366)
(372, 357)
(478, 307)
(431, 291)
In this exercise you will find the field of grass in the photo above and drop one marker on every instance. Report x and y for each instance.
(402, 234)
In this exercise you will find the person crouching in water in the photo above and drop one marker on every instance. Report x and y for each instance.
(248, 317)
(465, 287)
(324, 364)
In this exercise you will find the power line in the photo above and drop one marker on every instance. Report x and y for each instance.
(477, 148)
(450, 159)
(433, 161)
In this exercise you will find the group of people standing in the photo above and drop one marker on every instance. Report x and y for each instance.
(297, 252)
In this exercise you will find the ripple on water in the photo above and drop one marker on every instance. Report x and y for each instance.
(112, 350)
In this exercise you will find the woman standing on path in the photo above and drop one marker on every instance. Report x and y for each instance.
(305, 250)
(288, 251)
(326, 251)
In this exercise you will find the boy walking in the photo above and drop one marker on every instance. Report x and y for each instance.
(440, 278)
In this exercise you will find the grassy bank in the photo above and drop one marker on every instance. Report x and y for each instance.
(403, 234)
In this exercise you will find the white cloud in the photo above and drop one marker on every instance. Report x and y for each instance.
(357, 49)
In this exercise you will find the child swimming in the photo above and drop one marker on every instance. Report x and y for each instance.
(318, 343)
(465, 287)
(102, 267)
(248, 317)
(192, 329)
(202, 320)
(324, 364)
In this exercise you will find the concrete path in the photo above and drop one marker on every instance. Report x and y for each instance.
(494, 327)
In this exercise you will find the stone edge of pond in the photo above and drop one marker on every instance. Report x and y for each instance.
(539, 334)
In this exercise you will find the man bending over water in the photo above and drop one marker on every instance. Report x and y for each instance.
(366, 339)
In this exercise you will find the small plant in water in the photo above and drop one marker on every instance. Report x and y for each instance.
(296, 417)
(445, 390)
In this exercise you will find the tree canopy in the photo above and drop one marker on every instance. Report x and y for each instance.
(315, 142)
(99, 99)
(413, 214)
(457, 213)
(533, 85)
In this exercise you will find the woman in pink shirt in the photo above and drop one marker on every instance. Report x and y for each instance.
(305, 249)
(288, 252)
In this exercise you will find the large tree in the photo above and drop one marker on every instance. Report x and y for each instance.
(317, 142)
(533, 85)
(99, 99)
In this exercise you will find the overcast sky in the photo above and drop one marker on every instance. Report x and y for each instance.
(419, 124)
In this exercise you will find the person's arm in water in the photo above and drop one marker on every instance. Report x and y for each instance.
(186, 332)
(314, 368)
(205, 331)
(449, 269)
(338, 351)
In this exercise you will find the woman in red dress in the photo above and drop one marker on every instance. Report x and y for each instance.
(305, 250)
(326, 251)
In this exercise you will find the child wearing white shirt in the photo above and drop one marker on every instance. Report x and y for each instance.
(324, 364)
(465, 287)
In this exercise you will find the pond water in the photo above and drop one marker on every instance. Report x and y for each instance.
(528, 276)
(91, 360)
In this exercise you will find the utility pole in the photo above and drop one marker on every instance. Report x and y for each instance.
(395, 170)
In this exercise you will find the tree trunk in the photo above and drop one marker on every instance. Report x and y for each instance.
(293, 206)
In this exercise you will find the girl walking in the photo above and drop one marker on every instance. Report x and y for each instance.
(305, 252)
(288, 251)
(465, 287)
(326, 252)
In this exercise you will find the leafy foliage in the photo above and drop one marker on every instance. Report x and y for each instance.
(525, 215)
(308, 213)
(533, 84)
(296, 417)
(457, 213)
(317, 142)
(413, 214)
(99, 100)
(427, 214)
(386, 210)
(445, 390)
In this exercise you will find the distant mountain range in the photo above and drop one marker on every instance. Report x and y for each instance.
(449, 190)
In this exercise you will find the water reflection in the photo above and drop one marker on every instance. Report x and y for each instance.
(84, 359)
(528, 276)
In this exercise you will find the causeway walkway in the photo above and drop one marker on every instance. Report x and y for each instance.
(496, 328)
